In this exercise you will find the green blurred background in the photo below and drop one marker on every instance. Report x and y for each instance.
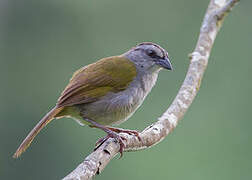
(43, 42)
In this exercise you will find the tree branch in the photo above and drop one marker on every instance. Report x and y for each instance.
(97, 160)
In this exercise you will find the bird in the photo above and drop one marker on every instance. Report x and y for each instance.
(107, 92)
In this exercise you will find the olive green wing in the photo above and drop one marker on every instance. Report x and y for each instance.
(91, 82)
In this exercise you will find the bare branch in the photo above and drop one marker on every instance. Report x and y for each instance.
(97, 160)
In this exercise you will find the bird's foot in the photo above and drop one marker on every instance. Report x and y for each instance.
(114, 135)
(127, 131)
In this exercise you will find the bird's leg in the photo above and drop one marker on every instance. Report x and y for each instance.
(130, 132)
(110, 134)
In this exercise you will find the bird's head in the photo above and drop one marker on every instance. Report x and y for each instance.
(149, 57)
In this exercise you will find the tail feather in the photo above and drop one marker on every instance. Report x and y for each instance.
(42, 123)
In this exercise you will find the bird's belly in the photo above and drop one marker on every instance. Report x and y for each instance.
(115, 108)
(110, 111)
(112, 116)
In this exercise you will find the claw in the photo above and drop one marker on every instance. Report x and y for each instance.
(122, 146)
(130, 132)
(114, 135)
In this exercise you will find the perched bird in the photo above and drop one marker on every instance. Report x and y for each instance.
(107, 92)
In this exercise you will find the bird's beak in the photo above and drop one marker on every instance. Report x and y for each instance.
(164, 63)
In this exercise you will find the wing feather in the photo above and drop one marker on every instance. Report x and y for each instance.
(91, 82)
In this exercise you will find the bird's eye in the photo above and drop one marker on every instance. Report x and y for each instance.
(151, 53)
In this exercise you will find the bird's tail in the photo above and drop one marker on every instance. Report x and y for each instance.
(42, 123)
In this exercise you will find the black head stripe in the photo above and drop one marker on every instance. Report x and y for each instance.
(153, 44)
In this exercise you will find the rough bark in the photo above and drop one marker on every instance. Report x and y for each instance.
(98, 160)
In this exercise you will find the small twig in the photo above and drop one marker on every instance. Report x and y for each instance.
(97, 160)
